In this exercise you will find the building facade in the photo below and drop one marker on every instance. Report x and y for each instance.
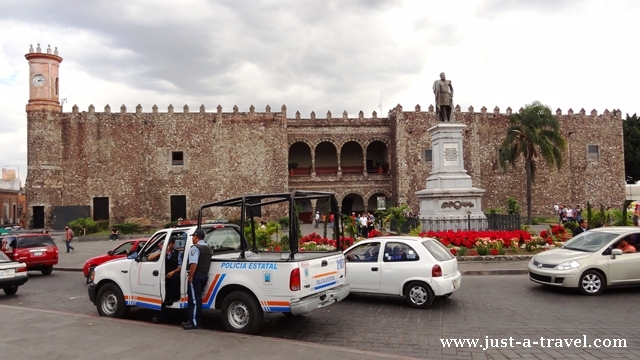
(162, 165)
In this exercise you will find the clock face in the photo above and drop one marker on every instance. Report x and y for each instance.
(39, 80)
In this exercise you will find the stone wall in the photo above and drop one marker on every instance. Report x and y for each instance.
(126, 156)
(579, 180)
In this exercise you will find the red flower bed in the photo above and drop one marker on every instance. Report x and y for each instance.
(345, 241)
(374, 233)
(558, 230)
(468, 239)
(494, 252)
(453, 251)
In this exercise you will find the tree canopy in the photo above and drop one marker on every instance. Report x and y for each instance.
(533, 134)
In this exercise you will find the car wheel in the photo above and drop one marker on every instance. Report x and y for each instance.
(11, 290)
(47, 270)
(89, 273)
(241, 313)
(110, 301)
(419, 295)
(592, 283)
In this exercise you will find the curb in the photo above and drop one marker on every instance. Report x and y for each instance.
(495, 272)
(67, 269)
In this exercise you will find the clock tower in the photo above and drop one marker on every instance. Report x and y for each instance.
(44, 185)
(43, 79)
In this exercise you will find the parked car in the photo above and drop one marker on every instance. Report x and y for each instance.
(37, 251)
(12, 274)
(419, 269)
(120, 251)
(591, 261)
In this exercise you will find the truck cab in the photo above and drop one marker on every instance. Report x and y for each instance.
(246, 279)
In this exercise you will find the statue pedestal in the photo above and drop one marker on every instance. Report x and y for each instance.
(449, 201)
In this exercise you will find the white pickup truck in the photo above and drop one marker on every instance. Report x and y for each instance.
(244, 282)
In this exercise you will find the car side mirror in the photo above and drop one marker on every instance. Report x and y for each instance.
(110, 253)
(615, 252)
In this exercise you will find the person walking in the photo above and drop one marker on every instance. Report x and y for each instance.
(68, 237)
(317, 219)
(198, 265)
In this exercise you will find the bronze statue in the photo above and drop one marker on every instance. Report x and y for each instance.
(444, 98)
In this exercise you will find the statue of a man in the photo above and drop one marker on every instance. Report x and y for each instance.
(444, 98)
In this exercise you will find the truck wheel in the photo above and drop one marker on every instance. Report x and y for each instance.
(419, 295)
(11, 290)
(241, 313)
(47, 270)
(110, 301)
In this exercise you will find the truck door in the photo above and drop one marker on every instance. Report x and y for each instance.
(147, 273)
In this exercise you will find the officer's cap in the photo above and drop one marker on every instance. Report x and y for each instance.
(199, 233)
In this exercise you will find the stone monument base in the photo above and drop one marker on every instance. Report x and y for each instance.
(449, 201)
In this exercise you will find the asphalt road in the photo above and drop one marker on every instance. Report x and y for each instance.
(498, 307)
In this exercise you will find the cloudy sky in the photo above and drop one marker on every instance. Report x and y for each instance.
(319, 55)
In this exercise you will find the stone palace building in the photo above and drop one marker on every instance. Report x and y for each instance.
(162, 164)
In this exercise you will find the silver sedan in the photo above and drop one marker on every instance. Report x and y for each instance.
(591, 261)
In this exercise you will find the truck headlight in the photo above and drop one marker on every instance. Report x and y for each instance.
(567, 265)
(92, 276)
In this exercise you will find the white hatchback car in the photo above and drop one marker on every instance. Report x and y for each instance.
(416, 268)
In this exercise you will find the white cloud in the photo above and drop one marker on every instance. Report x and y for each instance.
(319, 56)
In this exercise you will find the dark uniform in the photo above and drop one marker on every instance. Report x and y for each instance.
(199, 254)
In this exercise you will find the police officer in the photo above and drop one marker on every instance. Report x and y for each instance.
(198, 265)
(172, 265)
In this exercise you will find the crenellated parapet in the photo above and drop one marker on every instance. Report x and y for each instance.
(329, 118)
(155, 110)
(616, 113)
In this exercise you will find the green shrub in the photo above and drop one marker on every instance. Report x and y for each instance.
(171, 224)
(128, 228)
(571, 226)
(493, 211)
(462, 251)
(284, 222)
(512, 206)
(83, 226)
(102, 225)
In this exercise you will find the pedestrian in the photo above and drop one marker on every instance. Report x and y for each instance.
(317, 219)
(115, 234)
(172, 265)
(582, 228)
(363, 225)
(198, 265)
(68, 237)
(570, 214)
(578, 213)
(556, 209)
(332, 218)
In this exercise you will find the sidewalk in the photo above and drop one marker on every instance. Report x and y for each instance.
(71, 336)
(88, 247)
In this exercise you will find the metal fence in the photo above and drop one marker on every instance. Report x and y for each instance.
(492, 222)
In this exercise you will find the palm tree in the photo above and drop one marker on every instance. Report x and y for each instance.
(533, 134)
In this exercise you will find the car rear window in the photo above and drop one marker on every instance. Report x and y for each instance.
(34, 241)
(438, 250)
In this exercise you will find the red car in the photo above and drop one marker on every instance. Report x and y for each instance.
(121, 251)
(37, 251)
